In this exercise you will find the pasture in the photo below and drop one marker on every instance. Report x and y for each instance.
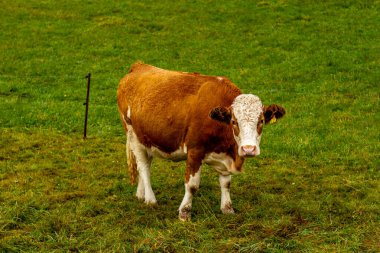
(314, 188)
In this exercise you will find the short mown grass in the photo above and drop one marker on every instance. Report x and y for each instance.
(315, 188)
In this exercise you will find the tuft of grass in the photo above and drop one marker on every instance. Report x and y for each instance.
(314, 188)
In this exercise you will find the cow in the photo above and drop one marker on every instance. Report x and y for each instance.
(188, 116)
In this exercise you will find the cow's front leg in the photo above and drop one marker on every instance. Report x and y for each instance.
(225, 204)
(140, 193)
(192, 180)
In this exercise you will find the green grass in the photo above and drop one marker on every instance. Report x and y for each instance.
(315, 188)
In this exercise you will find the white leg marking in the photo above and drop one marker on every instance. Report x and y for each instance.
(143, 161)
(190, 188)
(143, 165)
(140, 193)
(225, 204)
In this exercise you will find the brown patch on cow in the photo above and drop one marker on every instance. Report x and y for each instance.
(187, 176)
(193, 190)
(194, 162)
(238, 160)
(235, 125)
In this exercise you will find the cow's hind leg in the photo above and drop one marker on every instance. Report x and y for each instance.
(144, 185)
(143, 162)
(226, 204)
(132, 169)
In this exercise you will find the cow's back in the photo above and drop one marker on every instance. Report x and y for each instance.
(166, 106)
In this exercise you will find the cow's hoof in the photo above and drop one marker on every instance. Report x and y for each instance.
(151, 202)
(140, 194)
(227, 209)
(140, 197)
(185, 214)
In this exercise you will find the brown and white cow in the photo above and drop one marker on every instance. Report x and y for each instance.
(188, 116)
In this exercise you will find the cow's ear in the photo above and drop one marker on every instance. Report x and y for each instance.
(221, 114)
(273, 112)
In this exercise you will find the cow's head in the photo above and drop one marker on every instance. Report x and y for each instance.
(247, 116)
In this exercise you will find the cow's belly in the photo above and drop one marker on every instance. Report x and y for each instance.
(222, 163)
(178, 155)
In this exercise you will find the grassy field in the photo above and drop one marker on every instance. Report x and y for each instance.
(315, 188)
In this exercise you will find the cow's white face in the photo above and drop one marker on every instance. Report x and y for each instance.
(247, 124)
(247, 116)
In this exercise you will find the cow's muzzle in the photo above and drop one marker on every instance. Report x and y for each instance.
(249, 150)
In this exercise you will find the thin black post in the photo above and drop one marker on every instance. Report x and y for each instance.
(86, 104)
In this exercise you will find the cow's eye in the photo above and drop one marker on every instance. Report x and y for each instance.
(233, 122)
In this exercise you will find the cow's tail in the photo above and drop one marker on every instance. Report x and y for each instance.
(132, 166)
(131, 159)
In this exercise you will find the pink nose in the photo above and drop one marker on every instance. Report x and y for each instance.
(249, 150)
